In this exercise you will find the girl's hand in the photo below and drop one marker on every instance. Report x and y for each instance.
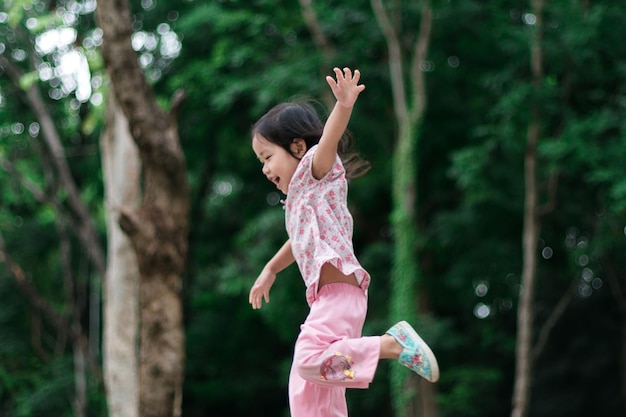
(346, 88)
(261, 288)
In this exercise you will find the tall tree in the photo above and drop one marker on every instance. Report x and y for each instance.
(158, 228)
(122, 171)
(531, 228)
(409, 104)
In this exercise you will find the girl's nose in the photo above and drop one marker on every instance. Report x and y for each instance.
(265, 169)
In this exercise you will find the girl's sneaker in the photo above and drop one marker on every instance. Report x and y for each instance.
(416, 355)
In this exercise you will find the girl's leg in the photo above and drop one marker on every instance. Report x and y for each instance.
(330, 350)
(389, 347)
(307, 399)
(330, 354)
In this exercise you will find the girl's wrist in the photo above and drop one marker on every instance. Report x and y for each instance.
(345, 106)
(270, 269)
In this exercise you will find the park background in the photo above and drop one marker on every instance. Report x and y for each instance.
(493, 217)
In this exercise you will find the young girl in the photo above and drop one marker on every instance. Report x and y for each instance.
(308, 162)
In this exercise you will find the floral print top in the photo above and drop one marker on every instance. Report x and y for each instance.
(319, 224)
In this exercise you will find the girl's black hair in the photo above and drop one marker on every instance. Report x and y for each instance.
(288, 121)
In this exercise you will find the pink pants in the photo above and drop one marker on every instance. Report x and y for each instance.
(330, 354)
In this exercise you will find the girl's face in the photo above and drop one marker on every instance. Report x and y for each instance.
(278, 164)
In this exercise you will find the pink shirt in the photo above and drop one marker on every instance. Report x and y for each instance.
(319, 224)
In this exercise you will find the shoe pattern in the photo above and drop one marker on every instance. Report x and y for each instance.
(416, 355)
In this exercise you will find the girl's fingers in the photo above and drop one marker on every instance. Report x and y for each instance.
(344, 75)
(254, 300)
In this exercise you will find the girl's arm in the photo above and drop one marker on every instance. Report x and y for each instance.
(282, 259)
(261, 288)
(346, 90)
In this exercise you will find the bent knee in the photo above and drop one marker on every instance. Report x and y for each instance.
(333, 367)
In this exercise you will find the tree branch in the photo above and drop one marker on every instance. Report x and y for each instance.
(29, 290)
(321, 41)
(86, 228)
(178, 98)
(420, 51)
(41, 305)
(556, 314)
(39, 195)
(395, 60)
(312, 23)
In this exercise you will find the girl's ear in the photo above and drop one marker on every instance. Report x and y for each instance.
(298, 147)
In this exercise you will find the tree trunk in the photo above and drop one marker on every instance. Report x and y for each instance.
(79, 404)
(525, 311)
(158, 229)
(619, 295)
(122, 169)
(410, 396)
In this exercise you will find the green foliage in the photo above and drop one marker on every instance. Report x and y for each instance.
(471, 391)
(223, 353)
(28, 80)
(30, 385)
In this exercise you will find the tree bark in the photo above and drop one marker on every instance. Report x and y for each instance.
(409, 109)
(531, 230)
(122, 172)
(158, 229)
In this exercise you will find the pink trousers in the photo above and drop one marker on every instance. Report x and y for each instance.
(330, 354)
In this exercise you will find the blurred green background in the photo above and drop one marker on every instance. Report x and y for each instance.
(235, 59)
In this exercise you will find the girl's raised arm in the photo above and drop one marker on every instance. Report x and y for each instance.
(346, 89)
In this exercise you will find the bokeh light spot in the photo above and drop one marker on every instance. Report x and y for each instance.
(481, 289)
(596, 284)
(273, 198)
(454, 61)
(482, 311)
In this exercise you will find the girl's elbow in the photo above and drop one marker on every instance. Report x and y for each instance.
(320, 172)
